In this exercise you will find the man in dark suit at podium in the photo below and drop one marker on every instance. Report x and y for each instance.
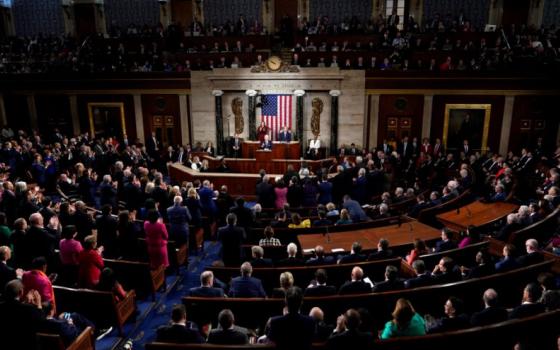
(266, 145)
(235, 144)
(285, 135)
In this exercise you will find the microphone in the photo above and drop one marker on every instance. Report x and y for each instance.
(469, 214)
(399, 221)
(328, 234)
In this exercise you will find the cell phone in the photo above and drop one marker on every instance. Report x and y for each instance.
(66, 316)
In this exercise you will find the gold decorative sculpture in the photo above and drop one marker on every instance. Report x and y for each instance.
(317, 106)
(237, 110)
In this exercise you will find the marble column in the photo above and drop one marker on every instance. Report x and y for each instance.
(506, 124)
(3, 117)
(185, 120)
(76, 130)
(427, 115)
(298, 134)
(374, 120)
(334, 120)
(252, 94)
(219, 121)
(138, 117)
(33, 122)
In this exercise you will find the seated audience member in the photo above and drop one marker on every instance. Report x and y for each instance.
(530, 305)
(332, 212)
(418, 250)
(297, 222)
(108, 283)
(347, 334)
(206, 289)
(68, 325)
(292, 259)
(524, 216)
(257, 253)
(36, 279)
(446, 243)
(392, 280)
(246, 286)
(319, 287)
(227, 333)
(356, 285)
(551, 295)
(286, 282)
(383, 212)
(508, 262)
(322, 221)
(7, 273)
(292, 330)
(91, 263)
(472, 236)
(179, 330)
(344, 218)
(21, 316)
(499, 194)
(383, 252)
(454, 319)
(419, 206)
(512, 225)
(446, 271)
(533, 255)
(269, 238)
(406, 322)
(484, 266)
(355, 255)
(322, 330)
(319, 257)
(492, 312)
(423, 277)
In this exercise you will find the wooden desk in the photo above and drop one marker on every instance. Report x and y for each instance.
(280, 150)
(476, 214)
(403, 235)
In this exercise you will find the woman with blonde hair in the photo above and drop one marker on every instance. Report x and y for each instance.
(286, 282)
(406, 322)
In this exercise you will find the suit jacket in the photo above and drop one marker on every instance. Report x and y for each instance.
(266, 145)
(506, 265)
(388, 285)
(530, 259)
(22, 325)
(246, 287)
(489, 315)
(415, 210)
(41, 242)
(355, 210)
(422, 280)
(285, 136)
(354, 287)
(292, 331)
(381, 255)
(6, 275)
(324, 260)
(526, 310)
(442, 246)
(262, 262)
(351, 339)
(352, 258)
(265, 195)
(320, 291)
(227, 337)
(178, 334)
(231, 238)
(290, 262)
(206, 292)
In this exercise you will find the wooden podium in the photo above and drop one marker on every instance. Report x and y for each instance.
(280, 150)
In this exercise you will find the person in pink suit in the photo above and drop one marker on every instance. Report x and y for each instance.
(156, 240)
(37, 279)
(281, 193)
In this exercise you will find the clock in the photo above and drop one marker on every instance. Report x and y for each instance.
(274, 63)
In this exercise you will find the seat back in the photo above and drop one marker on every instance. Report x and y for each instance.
(541, 230)
(461, 256)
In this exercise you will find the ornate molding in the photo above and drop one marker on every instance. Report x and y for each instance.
(251, 93)
(299, 93)
(217, 93)
(335, 93)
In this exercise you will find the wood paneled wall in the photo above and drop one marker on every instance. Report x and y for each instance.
(162, 105)
(130, 119)
(533, 117)
(400, 106)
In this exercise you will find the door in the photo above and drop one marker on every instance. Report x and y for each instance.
(164, 126)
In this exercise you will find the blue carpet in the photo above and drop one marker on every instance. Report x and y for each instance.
(154, 314)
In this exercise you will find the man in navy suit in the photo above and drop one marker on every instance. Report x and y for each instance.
(285, 135)
(68, 327)
(355, 255)
(7, 273)
(499, 195)
(246, 286)
(266, 145)
(258, 257)
(206, 194)
(492, 312)
(231, 237)
(356, 285)
(356, 212)
(423, 277)
(293, 330)
(320, 258)
(319, 287)
(325, 190)
(206, 290)
(179, 331)
(446, 242)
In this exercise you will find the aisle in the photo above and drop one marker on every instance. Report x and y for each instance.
(154, 314)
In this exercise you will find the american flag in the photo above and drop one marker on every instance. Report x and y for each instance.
(276, 112)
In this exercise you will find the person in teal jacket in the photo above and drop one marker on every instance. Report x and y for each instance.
(406, 322)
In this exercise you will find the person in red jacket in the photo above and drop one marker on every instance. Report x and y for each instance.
(90, 263)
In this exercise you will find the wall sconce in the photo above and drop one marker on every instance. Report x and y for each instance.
(66, 5)
(266, 6)
(99, 8)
